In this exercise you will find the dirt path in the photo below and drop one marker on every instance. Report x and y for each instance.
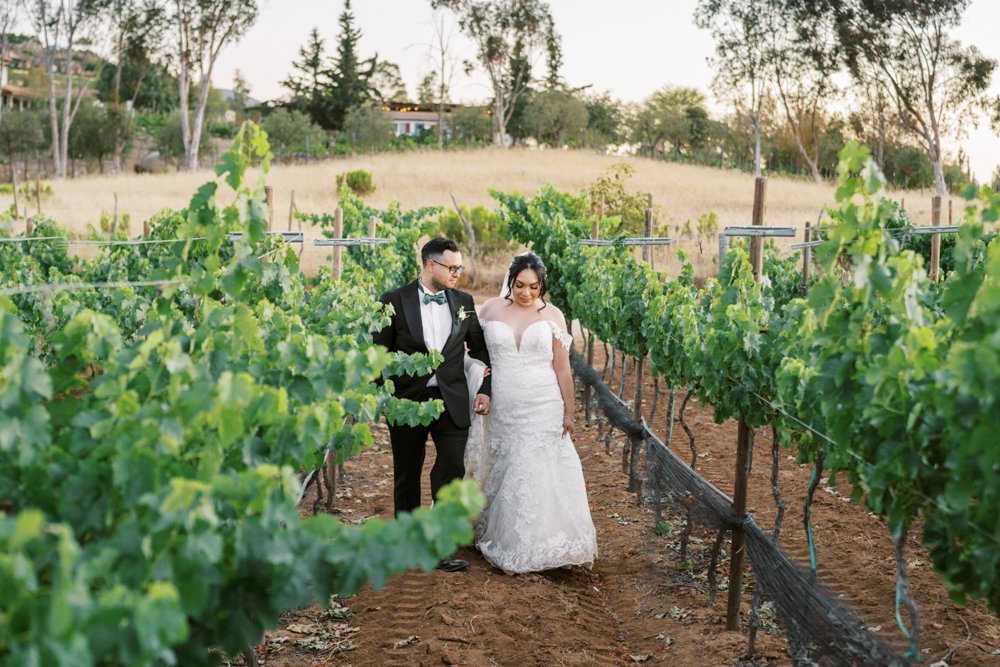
(637, 606)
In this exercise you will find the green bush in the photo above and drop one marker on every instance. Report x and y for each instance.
(27, 190)
(358, 181)
(487, 225)
(106, 227)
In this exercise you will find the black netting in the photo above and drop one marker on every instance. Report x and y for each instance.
(819, 626)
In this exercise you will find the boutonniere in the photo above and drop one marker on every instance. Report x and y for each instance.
(461, 314)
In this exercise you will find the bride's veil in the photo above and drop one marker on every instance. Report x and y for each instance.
(478, 458)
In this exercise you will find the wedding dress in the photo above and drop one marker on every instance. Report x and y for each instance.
(537, 516)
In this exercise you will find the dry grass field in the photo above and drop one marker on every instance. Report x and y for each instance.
(680, 192)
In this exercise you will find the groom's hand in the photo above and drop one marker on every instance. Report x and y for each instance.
(481, 406)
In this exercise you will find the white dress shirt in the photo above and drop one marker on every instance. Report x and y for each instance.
(436, 321)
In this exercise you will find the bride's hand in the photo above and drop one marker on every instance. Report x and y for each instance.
(567, 425)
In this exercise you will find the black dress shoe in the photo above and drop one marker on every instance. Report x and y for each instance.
(453, 564)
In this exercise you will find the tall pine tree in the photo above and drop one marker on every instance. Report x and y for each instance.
(309, 84)
(350, 77)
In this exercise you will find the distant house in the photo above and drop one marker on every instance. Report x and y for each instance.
(11, 96)
(410, 119)
(229, 96)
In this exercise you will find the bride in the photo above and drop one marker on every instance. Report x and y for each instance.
(536, 515)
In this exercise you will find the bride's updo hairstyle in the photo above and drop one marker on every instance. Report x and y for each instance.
(528, 260)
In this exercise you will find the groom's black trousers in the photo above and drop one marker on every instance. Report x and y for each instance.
(409, 446)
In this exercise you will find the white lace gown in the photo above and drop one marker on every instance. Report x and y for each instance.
(537, 516)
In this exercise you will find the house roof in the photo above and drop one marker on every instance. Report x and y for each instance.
(17, 91)
(414, 115)
(413, 106)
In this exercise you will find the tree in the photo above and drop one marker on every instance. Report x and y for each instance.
(93, 135)
(801, 64)
(911, 168)
(241, 92)
(170, 139)
(471, 125)
(436, 86)
(368, 128)
(673, 114)
(22, 134)
(8, 17)
(138, 27)
(674, 107)
(61, 26)
(508, 35)
(350, 77)
(934, 84)
(740, 29)
(291, 131)
(427, 89)
(310, 85)
(151, 88)
(604, 119)
(204, 28)
(387, 83)
(556, 116)
(995, 179)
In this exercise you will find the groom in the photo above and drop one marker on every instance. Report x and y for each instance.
(430, 314)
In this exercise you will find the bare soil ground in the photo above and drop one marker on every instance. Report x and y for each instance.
(637, 605)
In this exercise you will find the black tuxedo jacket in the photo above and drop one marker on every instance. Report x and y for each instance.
(405, 333)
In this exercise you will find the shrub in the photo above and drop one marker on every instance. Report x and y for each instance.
(487, 225)
(358, 181)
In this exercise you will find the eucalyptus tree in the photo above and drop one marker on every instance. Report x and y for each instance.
(509, 35)
(204, 28)
(741, 30)
(801, 66)
(137, 39)
(934, 84)
(62, 26)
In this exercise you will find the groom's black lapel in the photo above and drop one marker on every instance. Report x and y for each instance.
(453, 305)
(410, 296)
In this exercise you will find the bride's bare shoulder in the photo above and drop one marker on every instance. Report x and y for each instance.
(551, 312)
(490, 307)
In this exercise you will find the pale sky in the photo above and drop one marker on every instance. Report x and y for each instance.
(629, 48)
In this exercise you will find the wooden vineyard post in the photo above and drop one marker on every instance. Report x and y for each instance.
(114, 221)
(38, 193)
(13, 188)
(806, 252)
(329, 465)
(291, 211)
(338, 233)
(269, 198)
(647, 251)
(594, 235)
(647, 231)
(634, 483)
(935, 238)
(145, 229)
(743, 441)
(757, 242)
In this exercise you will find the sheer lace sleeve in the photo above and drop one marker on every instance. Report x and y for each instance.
(564, 338)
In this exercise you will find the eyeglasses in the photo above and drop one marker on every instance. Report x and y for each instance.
(453, 270)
